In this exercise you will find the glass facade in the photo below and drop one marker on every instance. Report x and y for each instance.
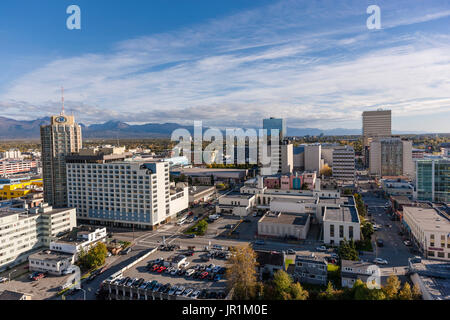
(433, 180)
(275, 124)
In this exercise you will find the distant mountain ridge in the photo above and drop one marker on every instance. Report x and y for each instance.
(30, 129)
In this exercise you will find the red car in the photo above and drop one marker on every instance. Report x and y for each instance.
(38, 276)
(156, 267)
(161, 269)
(204, 275)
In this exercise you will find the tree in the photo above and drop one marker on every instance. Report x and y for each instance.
(241, 272)
(329, 293)
(347, 250)
(282, 284)
(94, 257)
(392, 287)
(326, 171)
(367, 230)
(298, 293)
(405, 293)
(416, 293)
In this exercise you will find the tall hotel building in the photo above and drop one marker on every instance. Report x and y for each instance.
(375, 124)
(109, 188)
(60, 138)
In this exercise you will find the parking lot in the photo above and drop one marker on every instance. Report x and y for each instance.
(203, 279)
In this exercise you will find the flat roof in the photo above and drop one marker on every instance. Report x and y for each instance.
(50, 256)
(298, 219)
(428, 218)
(342, 214)
(297, 199)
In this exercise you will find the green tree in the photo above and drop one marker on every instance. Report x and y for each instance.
(241, 272)
(329, 293)
(392, 287)
(405, 293)
(347, 250)
(298, 293)
(282, 283)
(94, 257)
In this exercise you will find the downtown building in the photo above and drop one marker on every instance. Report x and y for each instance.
(109, 188)
(375, 124)
(344, 163)
(433, 179)
(25, 231)
(391, 157)
(60, 138)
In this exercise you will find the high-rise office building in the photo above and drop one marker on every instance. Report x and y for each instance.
(344, 163)
(433, 179)
(62, 137)
(313, 157)
(375, 124)
(275, 124)
(391, 157)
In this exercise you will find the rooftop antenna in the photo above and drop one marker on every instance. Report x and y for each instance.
(62, 100)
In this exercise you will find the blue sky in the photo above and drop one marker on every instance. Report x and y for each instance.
(228, 63)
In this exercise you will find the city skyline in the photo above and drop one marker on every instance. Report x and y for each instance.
(316, 64)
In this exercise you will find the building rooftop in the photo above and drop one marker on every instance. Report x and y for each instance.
(342, 214)
(428, 218)
(310, 258)
(12, 295)
(356, 265)
(269, 258)
(50, 256)
(298, 219)
(434, 275)
(297, 199)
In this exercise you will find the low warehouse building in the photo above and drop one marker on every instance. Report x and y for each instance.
(284, 225)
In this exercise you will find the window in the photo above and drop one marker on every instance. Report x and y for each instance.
(350, 232)
(331, 230)
(341, 231)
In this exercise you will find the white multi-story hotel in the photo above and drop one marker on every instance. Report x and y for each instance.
(112, 190)
(344, 163)
(23, 232)
(430, 230)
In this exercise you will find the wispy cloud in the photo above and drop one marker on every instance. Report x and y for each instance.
(308, 61)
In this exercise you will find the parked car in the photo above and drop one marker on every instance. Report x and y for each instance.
(172, 290)
(217, 277)
(190, 272)
(161, 269)
(195, 294)
(3, 279)
(174, 272)
(191, 235)
(290, 251)
(180, 290)
(380, 243)
(204, 275)
(380, 261)
(407, 243)
(126, 251)
(187, 292)
(321, 248)
(69, 270)
(151, 285)
(157, 287)
(38, 276)
(259, 242)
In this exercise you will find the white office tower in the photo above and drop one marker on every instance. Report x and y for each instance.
(391, 157)
(110, 190)
(344, 163)
(313, 157)
(287, 158)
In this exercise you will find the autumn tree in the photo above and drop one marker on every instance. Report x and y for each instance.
(416, 293)
(392, 287)
(282, 283)
(298, 293)
(405, 293)
(241, 272)
(326, 171)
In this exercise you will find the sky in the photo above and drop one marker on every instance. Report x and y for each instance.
(229, 63)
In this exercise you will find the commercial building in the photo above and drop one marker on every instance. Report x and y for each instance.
(313, 157)
(432, 277)
(397, 187)
(201, 193)
(11, 154)
(236, 203)
(110, 189)
(275, 124)
(344, 163)
(287, 158)
(14, 166)
(50, 261)
(341, 223)
(81, 238)
(284, 225)
(433, 179)
(62, 137)
(310, 269)
(391, 157)
(430, 230)
(207, 176)
(22, 232)
(376, 124)
(18, 190)
(359, 270)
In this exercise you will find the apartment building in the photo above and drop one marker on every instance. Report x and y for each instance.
(22, 232)
(60, 138)
(110, 189)
(359, 270)
(391, 157)
(430, 230)
(310, 269)
(344, 163)
(433, 179)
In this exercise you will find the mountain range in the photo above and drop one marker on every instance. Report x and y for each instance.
(30, 129)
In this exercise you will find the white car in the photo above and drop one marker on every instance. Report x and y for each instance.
(187, 292)
(184, 265)
(380, 261)
(190, 272)
(69, 270)
(321, 248)
(3, 279)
